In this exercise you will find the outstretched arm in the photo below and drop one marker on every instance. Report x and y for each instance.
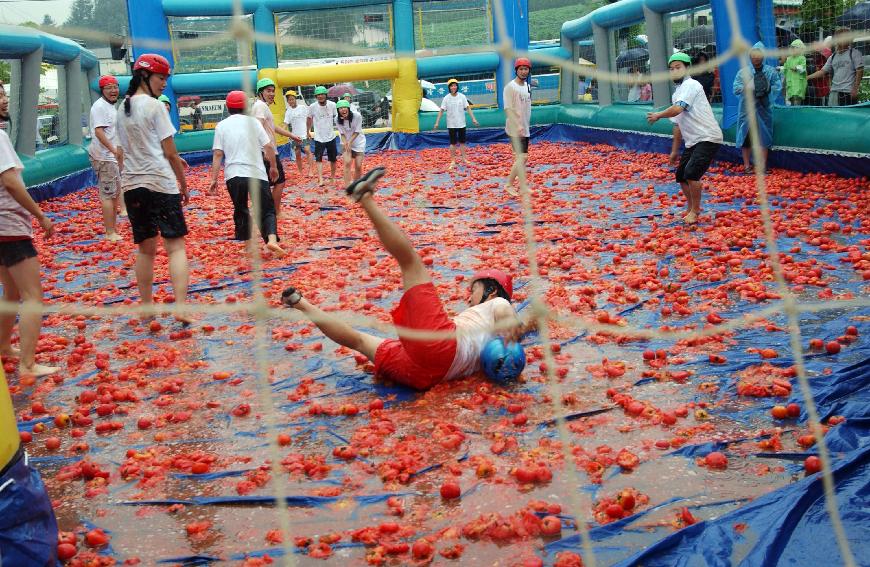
(508, 324)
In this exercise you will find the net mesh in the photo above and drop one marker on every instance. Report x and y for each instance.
(210, 43)
(452, 23)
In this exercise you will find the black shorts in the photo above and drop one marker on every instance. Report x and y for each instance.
(152, 213)
(331, 150)
(14, 251)
(695, 161)
(457, 135)
(524, 144)
(279, 166)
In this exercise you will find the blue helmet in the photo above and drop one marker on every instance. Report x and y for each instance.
(502, 362)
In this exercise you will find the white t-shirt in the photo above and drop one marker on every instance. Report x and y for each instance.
(260, 110)
(103, 115)
(14, 219)
(140, 135)
(346, 129)
(324, 118)
(454, 107)
(242, 139)
(297, 119)
(519, 98)
(474, 327)
(696, 121)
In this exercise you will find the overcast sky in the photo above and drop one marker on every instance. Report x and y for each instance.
(20, 11)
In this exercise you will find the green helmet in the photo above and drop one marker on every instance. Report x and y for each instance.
(263, 83)
(164, 99)
(320, 90)
(342, 104)
(680, 56)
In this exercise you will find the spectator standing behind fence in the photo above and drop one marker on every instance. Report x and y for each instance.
(707, 78)
(795, 71)
(640, 90)
(763, 82)
(846, 67)
(818, 88)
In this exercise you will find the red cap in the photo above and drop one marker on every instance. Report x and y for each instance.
(522, 62)
(153, 62)
(236, 99)
(107, 80)
(503, 279)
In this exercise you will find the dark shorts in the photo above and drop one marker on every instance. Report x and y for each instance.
(301, 146)
(281, 178)
(695, 161)
(355, 154)
(28, 529)
(152, 213)
(524, 144)
(14, 251)
(418, 363)
(330, 148)
(457, 135)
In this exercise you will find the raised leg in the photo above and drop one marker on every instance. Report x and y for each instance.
(397, 244)
(339, 331)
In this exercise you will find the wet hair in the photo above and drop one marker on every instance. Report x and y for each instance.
(350, 115)
(235, 110)
(701, 54)
(135, 83)
(490, 286)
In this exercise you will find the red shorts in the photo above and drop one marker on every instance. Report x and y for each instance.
(418, 363)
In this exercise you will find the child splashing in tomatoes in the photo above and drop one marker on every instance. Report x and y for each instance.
(415, 362)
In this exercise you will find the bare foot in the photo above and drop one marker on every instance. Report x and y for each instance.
(320, 182)
(114, 237)
(511, 191)
(275, 249)
(123, 213)
(451, 166)
(691, 218)
(183, 318)
(10, 352)
(37, 370)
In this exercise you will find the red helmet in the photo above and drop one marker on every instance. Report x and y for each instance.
(107, 80)
(522, 62)
(503, 279)
(153, 62)
(236, 99)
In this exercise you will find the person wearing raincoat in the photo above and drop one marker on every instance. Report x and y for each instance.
(795, 70)
(763, 82)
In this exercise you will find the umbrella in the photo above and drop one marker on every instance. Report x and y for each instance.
(426, 85)
(336, 91)
(857, 17)
(698, 35)
(637, 55)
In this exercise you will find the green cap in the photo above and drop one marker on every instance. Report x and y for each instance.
(263, 83)
(342, 104)
(680, 56)
(165, 99)
(347, 95)
(320, 90)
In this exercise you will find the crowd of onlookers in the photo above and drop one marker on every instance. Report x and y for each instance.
(824, 77)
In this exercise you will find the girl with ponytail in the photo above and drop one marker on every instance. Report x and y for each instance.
(153, 179)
